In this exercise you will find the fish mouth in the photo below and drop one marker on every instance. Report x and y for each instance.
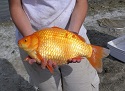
(19, 44)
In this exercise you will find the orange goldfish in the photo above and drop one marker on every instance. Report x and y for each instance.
(60, 45)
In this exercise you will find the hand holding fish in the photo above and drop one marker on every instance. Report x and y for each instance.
(75, 60)
(60, 45)
(30, 60)
(51, 63)
(43, 66)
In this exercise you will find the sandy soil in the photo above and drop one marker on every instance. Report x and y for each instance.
(12, 72)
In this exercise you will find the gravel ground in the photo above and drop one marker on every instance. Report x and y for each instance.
(12, 72)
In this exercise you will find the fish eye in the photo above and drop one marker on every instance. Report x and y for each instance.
(25, 40)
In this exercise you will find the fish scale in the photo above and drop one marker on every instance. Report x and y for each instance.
(60, 45)
(55, 42)
(55, 52)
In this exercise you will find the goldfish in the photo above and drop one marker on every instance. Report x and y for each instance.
(60, 45)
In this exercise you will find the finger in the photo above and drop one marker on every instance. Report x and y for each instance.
(69, 60)
(78, 61)
(74, 60)
(44, 63)
(27, 58)
(31, 61)
(54, 64)
(50, 62)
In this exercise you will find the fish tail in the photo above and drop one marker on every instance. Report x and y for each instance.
(96, 58)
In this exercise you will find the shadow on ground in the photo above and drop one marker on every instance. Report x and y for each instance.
(98, 38)
(10, 80)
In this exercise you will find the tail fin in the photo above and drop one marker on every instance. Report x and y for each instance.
(96, 58)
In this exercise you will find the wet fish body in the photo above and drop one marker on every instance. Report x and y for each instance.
(60, 45)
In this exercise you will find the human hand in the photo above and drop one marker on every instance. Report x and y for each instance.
(75, 60)
(44, 62)
(30, 60)
(48, 63)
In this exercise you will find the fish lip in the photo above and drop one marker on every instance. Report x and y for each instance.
(19, 44)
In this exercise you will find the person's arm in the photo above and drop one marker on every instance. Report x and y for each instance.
(78, 15)
(77, 19)
(19, 17)
(22, 22)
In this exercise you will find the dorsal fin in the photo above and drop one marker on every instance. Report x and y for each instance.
(56, 27)
(81, 38)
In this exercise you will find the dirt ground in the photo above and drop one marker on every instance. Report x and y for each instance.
(13, 75)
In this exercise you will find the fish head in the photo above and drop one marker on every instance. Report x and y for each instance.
(28, 43)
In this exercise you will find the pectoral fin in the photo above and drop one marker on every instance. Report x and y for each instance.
(50, 68)
(45, 63)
